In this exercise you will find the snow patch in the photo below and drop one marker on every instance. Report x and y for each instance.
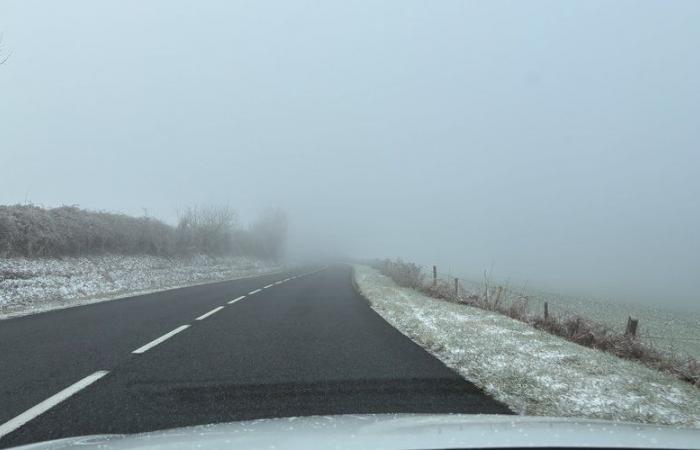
(29, 286)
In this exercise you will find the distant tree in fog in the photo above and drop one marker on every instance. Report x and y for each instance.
(270, 233)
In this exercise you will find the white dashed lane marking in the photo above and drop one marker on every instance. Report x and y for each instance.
(12, 424)
(236, 299)
(155, 342)
(213, 311)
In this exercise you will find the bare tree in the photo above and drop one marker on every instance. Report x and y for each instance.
(208, 230)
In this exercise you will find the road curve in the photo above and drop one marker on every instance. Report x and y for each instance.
(290, 344)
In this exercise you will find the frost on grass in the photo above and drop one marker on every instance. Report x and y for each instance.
(531, 371)
(39, 284)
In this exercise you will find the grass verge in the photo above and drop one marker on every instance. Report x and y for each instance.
(574, 328)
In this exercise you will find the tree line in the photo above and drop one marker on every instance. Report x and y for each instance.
(34, 231)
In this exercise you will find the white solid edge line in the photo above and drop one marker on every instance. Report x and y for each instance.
(155, 342)
(213, 311)
(268, 286)
(254, 292)
(12, 424)
(236, 299)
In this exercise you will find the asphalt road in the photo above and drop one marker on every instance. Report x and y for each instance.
(307, 345)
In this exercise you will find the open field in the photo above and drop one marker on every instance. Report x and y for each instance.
(666, 329)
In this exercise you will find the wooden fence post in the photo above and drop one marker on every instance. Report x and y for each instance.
(546, 311)
(631, 329)
(456, 287)
(434, 276)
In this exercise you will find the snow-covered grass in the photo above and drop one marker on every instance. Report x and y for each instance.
(531, 371)
(39, 284)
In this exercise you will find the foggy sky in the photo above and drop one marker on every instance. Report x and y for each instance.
(557, 142)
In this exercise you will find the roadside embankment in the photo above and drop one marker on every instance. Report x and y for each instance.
(532, 371)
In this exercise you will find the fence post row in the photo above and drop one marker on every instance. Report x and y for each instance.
(630, 329)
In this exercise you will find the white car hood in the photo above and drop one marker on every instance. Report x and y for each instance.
(405, 431)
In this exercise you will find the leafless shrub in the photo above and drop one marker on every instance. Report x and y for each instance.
(689, 369)
(516, 310)
(404, 274)
(442, 289)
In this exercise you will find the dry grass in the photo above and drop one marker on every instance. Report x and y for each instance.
(594, 335)
(573, 328)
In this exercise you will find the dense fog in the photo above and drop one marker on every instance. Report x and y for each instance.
(551, 143)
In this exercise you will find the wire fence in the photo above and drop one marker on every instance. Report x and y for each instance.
(672, 331)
